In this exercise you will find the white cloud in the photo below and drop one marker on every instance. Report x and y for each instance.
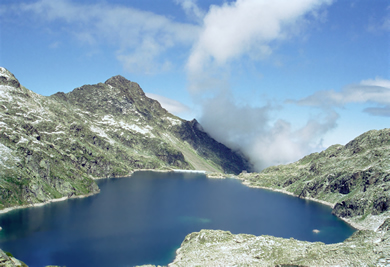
(140, 37)
(245, 27)
(376, 92)
(252, 131)
(173, 106)
(250, 29)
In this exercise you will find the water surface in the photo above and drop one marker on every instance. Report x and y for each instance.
(143, 219)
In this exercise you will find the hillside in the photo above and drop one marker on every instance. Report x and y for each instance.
(54, 147)
(354, 179)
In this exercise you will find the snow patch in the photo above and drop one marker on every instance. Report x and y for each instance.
(109, 120)
(137, 128)
(23, 140)
(4, 73)
(6, 154)
(102, 134)
(174, 121)
(5, 92)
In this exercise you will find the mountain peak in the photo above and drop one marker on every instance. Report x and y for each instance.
(124, 85)
(117, 79)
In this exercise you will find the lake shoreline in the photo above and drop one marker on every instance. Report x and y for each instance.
(348, 221)
(46, 202)
(208, 175)
(5, 210)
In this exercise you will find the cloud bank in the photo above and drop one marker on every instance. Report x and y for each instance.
(252, 131)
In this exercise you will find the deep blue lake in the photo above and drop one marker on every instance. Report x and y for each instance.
(143, 219)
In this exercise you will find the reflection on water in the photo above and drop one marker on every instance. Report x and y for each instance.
(144, 219)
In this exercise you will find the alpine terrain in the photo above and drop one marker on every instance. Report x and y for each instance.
(54, 147)
(354, 179)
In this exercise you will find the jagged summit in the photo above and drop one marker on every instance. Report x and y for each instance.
(116, 96)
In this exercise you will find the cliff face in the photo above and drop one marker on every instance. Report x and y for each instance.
(54, 146)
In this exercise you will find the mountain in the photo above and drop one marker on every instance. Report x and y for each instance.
(53, 147)
(354, 179)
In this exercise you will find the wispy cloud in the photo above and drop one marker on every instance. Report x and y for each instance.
(140, 37)
(375, 92)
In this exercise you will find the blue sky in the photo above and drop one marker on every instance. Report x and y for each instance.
(276, 79)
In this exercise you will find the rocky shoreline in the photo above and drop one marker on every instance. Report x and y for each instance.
(368, 246)
(45, 203)
(351, 223)
(353, 179)
(221, 248)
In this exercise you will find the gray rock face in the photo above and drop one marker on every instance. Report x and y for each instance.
(55, 146)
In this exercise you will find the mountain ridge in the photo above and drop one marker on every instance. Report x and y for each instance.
(57, 145)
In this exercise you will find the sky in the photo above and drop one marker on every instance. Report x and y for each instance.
(276, 80)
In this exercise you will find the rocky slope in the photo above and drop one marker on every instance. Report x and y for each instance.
(53, 147)
(354, 179)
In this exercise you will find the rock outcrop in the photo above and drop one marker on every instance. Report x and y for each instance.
(7, 260)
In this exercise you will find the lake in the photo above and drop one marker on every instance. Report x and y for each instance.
(143, 220)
